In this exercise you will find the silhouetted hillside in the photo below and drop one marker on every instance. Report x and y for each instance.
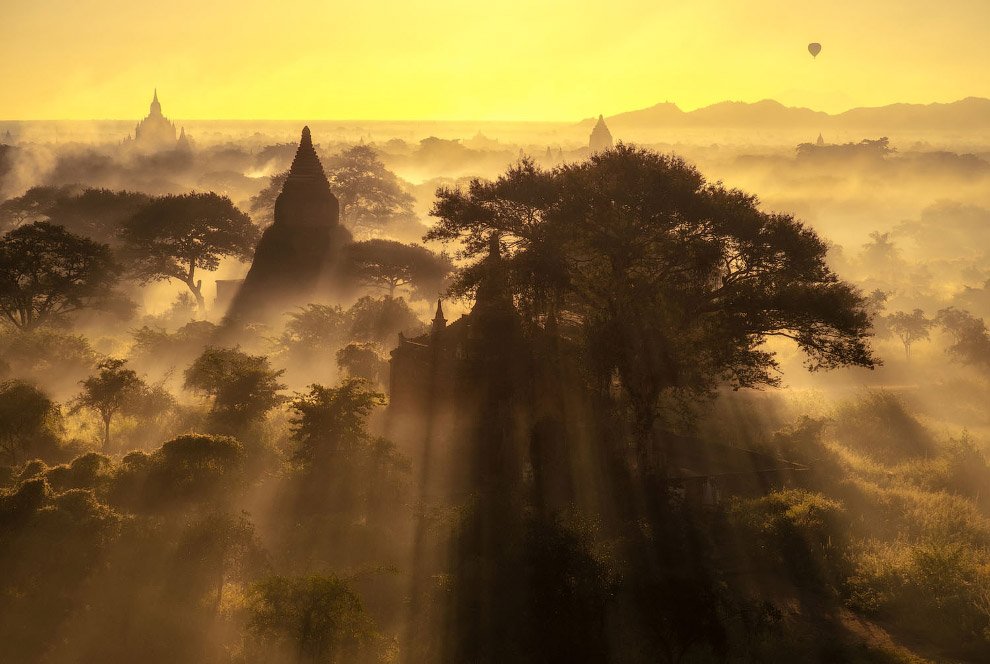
(966, 114)
(969, 113)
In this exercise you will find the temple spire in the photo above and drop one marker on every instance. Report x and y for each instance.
(439, 322)
(306, 164)
(156, 107)
(493, 295)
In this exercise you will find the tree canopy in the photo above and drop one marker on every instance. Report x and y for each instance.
(112, 389)
(262, 204)
(970, 338)
(364, 360)
(47, 272)
(33, 205)
(380, 320)
(910, 327)
(243, 387)
(219, 548)
(93, 213)
(333, 420)
(389, 265)
(666, 281)
(318, 617)
(343, 468)
(369, 193)
(27, 417)
(173, 236)
(97, 213)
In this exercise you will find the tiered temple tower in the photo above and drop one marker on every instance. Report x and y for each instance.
(298, 257)
(601, 137)
(156, 132)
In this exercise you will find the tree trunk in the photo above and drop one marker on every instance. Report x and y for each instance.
(196, 287)
(303, 638)
(106, 433)
(646, 452)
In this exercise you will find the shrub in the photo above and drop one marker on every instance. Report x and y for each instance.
(880, 425)
(799, 529)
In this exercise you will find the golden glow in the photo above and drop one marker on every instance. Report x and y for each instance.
(510, 60)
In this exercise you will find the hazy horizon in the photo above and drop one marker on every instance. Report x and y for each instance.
(535, 121)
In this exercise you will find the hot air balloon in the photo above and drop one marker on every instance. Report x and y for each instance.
(814, 48)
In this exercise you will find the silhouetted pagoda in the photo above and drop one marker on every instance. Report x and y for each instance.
(601, 137)
(466, 381)
(298, 256)
(156, 132)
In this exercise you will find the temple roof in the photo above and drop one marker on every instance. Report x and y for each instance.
(306, 165)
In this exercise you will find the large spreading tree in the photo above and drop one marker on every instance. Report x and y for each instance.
(93, 213)
(369, 193)
(389, 265)
(33, 205)
(174, 236)
(47, 272)
(666, 282)
(96, 213)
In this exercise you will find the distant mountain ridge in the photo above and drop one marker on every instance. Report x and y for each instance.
(972, 113)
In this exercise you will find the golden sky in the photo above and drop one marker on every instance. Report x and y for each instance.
(506, 60)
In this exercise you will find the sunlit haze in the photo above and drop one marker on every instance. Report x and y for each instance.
(512, 60)
(543, 332)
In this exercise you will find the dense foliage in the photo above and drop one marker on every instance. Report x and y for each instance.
(666, 280)
(47, 272)
(570, 489)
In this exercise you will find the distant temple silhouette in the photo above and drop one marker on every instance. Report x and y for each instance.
(448, 351)
(157, 133)
(298, 256)
(601, 137)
